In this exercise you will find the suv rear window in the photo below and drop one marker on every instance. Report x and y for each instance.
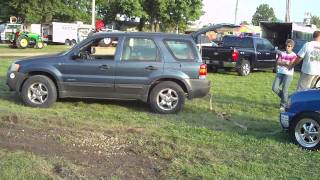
(237, 42)
(181, 50)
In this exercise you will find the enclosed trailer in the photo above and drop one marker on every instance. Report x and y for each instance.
(277, 33)
(67, 33)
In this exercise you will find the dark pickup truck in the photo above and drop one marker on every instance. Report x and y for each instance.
(241, 53)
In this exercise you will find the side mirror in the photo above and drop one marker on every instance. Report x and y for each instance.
(276, 48)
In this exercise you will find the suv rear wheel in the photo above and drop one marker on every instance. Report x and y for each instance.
(244, 68)
(39, 91)
(167, 98)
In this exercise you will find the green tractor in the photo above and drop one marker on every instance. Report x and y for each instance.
(27, 39)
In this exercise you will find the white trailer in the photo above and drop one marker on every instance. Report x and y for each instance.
(58, 32)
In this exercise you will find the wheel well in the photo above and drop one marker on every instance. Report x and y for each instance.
(304, 113)
(179, 82)
(33, 73)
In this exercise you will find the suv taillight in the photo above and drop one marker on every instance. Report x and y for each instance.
(203, 71)
(235, 55)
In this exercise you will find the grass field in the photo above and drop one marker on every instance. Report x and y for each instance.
(4, 49)
(239, 138)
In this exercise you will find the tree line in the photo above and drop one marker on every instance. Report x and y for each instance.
(266, 13)
(157, 14)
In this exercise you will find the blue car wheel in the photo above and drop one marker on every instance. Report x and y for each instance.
(305, 131)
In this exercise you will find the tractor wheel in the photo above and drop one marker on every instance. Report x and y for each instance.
(73, 42)
(67, 42)
(39, 45)
(22, 42)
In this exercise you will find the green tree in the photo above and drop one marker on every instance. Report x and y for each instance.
(39, 11)
(316, 21)
(263, 13)
(179, 12)
(109, 9)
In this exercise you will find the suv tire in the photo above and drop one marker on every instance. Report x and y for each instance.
(167, 98)
(39, 91)
(244, 68)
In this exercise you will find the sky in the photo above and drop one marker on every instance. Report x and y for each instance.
(222, 11)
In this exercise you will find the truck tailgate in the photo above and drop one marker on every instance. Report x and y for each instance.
(210, 54)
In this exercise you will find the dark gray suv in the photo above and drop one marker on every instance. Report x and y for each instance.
(161, 69)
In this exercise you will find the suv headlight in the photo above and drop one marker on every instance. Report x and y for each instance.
(14, 67)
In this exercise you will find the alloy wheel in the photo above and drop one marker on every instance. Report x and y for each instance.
(167, 99)
(38, 93)
(307, 133)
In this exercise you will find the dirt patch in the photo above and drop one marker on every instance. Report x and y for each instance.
(98, 154)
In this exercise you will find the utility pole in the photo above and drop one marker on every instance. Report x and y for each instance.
(236, 12)
(288, 11)
(93, 9)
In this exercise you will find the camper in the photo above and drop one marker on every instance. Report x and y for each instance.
(67, 33)
(277, 32)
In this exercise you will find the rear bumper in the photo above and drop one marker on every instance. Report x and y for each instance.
(14, 80)
(198, 88)
(221, 63)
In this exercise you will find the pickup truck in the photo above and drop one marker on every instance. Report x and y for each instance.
(243, 53)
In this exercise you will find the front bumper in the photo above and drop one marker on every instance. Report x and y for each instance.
(285, 119)
(199, 88)
(14, 80)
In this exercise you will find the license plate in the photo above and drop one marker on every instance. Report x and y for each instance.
(284, 120)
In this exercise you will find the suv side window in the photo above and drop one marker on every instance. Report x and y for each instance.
(181, 50)
(139, 49)
(100, 49)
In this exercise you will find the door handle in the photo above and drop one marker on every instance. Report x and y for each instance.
(151, 68)
(104, 67)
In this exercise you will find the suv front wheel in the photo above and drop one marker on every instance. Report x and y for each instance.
(39, 91)
(167, 98)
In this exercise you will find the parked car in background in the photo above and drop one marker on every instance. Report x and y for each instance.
(161, 69)
(302, 118)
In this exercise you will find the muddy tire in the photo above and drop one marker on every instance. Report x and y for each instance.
(167, 98)
(39, 91)
(244, 68)
(22, 42)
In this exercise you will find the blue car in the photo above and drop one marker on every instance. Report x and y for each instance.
(302, 119)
